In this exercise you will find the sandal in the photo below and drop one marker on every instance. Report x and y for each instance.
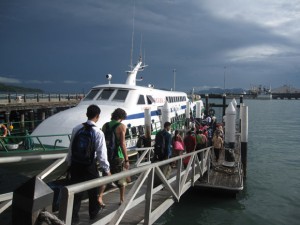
(102, 205)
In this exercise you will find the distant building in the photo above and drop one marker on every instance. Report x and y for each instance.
(285, 89)
(286, 92)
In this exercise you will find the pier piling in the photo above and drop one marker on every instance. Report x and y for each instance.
(230, 126)
(206, 105)
(244, 137)
(224, 104)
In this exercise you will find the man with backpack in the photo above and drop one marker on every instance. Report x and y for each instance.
(162, 151)
(87, 145)
(163, 141)
(116, 146)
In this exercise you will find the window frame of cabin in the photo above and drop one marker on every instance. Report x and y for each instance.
(142, 98)
(150, 99)
(122, 97)
(88, 98)
(105, 90)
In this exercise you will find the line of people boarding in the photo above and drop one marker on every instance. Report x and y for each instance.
(195, 139)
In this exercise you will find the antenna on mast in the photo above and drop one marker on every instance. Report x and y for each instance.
(141, 45)
(144, 59)
(131, 51)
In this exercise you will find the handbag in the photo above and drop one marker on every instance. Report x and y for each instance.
(178, 145)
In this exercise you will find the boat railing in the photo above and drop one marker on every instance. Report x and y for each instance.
(134, 133)
(27, 143)
(22, 126)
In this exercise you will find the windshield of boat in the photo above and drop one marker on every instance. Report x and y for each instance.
(107, 94)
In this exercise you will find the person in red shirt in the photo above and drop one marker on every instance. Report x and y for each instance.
(190, 145)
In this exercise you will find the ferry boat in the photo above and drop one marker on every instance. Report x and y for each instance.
(261, 93)
(132, 98)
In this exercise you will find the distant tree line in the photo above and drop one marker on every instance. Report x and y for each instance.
(18, 89)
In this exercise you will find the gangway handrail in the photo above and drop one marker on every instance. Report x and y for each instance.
(12, 159)
(6, 198)
(68, 192)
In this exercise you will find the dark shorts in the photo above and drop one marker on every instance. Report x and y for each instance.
(116, 166)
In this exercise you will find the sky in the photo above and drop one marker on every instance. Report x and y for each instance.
(70, 45)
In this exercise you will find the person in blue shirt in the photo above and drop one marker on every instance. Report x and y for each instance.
(168, 140)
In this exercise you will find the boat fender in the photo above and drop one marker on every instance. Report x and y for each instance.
(3, 127)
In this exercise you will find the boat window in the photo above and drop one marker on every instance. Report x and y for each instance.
(141, 130)
(127, 134)
(150, 99)
(91, 95)
(121, 95)
(134, 131)
(167, 99)
(141, 100)
(105, 94)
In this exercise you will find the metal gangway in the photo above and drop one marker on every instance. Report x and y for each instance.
(145, 200)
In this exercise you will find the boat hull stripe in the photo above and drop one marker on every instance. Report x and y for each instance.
(142, 115)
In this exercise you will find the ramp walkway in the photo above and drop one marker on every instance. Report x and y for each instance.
(144, 201)
(151, 192)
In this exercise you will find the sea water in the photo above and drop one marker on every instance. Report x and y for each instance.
(271, 192)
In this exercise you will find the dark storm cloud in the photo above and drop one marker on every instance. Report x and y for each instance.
(73, 44)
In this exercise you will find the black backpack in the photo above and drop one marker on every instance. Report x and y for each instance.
(83, 145)
(159, 146)
(111, 141)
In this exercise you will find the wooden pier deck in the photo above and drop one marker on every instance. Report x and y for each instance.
(224, 177)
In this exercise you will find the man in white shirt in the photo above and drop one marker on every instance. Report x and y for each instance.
(84, 168)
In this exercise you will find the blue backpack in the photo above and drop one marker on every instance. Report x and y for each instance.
(159, 146)
(83, 145)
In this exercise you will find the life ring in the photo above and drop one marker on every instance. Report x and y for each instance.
(3, 127)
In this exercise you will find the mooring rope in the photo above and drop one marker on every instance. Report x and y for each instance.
(229, 171)
(49, 218)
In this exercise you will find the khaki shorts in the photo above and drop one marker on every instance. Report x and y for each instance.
(116, 166)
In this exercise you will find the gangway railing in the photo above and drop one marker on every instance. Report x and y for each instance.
(176, 184)
(6, 199)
